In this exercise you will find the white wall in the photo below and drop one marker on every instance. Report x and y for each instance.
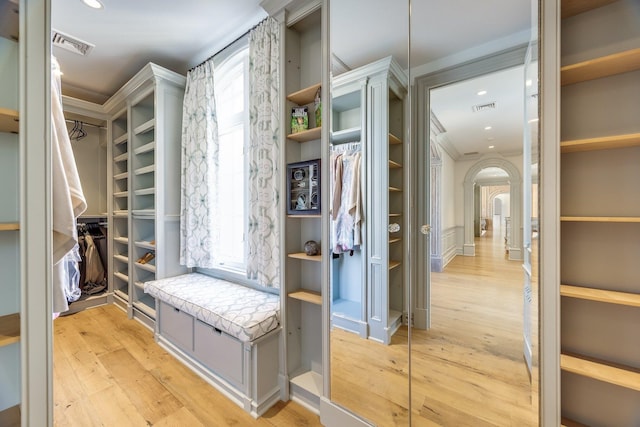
(91, 159)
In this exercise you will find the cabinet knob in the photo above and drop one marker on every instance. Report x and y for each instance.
(425, 229)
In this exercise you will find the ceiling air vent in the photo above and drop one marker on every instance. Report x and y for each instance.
(70, 43)
(482, 107)
(471, 153)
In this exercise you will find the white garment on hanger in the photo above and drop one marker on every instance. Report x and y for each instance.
(68, 200)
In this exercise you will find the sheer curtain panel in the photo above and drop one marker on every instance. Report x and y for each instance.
(198, 229)
(263, 256)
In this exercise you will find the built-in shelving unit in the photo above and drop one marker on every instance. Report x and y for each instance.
(600, 221)
(302, 293)
(145, 135)
(10, 234)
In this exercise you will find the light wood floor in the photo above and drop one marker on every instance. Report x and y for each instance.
(108, 371)
(467, 370)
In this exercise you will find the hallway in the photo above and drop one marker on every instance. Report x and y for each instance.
(468, 369)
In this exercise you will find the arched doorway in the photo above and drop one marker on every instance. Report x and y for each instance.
(471, 186)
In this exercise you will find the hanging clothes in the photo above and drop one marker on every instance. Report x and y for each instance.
(346, 197)
(68, 200)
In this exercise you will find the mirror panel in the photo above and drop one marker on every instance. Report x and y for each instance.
(369, 356)
(469, 285)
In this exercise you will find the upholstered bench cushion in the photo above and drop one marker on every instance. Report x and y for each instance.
(240, 311)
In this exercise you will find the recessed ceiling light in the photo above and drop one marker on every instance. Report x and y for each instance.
(490, 138)
(487, 128)
(482, 92)
(492, 146)
(95, 4)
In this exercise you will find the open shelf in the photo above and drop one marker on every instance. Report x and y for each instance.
(148, 267)
(628, 219)
(146, 169)
(121, 276)
(600, 295)
(145, 127)
(121, 194)
(121, 158)
(302, 255)
(307, 296)
(120, 176)
(396, 240)
(394, 165)
(145, 245)
(121, 139)
(123, 240)
(395, 215)
(394, 264)
(394, 189)
(9, 24)
(145, 148)
(346, 135)
(309, 381)
(601, 143)
(304, 96)
(574, 7)
(9, 121)
(566, 422)
(394, 139)
(9, 226)
(619, 375)
(306, 135)
(121, 258)
(304, 216)
(145, 191)
(604, 66)
(9, 329)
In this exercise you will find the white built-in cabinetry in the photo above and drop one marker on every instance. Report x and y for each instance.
(144, 205)
(600, 208)
(9, 218)
(368, 291)
(302, 278)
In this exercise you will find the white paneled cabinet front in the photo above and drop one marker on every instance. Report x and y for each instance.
(145, 133)
(368, 106)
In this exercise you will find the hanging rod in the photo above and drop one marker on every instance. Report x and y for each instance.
(85, 124)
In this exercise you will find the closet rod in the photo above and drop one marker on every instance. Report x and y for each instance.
(229, 45)
(85, 124)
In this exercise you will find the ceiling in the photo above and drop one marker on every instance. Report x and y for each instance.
(178, 35)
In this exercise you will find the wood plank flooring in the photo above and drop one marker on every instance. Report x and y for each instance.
(108, 371)
(467, 370)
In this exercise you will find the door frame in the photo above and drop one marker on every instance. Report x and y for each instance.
(508, 58)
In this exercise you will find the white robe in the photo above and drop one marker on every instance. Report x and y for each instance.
(67, 199)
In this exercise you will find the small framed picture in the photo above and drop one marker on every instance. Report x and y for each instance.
(303, 188)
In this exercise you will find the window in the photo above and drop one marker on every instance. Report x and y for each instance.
(231, 83)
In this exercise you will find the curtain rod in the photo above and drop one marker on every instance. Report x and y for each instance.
(228, 45)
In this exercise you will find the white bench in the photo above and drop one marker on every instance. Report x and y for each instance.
(225, 332)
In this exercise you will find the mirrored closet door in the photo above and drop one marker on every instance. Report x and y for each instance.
(369, 291)
(434, 295)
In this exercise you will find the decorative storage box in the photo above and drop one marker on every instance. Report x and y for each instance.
(303, 188)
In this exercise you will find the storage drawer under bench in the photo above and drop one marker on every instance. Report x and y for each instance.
(245, 367)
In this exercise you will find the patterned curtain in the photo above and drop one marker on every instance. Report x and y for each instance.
(263, 260)
(198, 231)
